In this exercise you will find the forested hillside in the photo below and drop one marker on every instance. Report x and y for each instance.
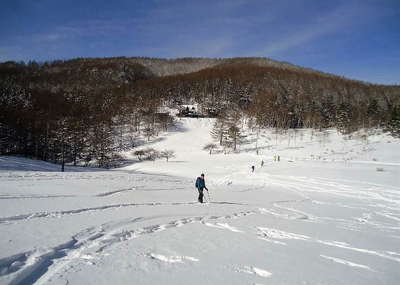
(86, 110)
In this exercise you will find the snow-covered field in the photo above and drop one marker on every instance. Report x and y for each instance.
(327, 213)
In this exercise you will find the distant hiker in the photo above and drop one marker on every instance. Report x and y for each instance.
(200, 185)
(252, 168)
(262, 163)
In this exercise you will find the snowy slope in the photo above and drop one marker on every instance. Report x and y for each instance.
(327, 213)
(326, 148)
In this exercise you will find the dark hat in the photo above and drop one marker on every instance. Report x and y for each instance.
(202, 174)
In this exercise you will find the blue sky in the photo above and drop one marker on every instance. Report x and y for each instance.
(358, 39)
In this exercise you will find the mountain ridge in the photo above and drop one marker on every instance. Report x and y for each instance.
(160, 67)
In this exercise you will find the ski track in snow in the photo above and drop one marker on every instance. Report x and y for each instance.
(287, 216)
(171, 259)
(223, 226)
(295, 214)
(346, 262)
(254, 270)
(386, 200)
(115, 192)
(347, 246)
(357, 191)
(7, 196)
(59, 214)
(275, 236)
(269, 233)
(352, 224)
(40, 265)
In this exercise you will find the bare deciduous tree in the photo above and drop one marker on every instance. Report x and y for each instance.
(210, 147)
(167, 154)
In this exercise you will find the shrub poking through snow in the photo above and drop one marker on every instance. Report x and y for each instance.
(167, 154)
(147, 154)
(151, 154)
(210, 147)
(139, 154)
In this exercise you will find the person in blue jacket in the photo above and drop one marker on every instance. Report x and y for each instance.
(200, 185)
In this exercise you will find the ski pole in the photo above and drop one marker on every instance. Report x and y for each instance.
(205, 199)
(209, 198)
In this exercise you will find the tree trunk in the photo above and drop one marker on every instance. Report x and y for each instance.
(62, 157)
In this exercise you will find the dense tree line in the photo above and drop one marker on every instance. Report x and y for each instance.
(75, 112)
(86, 110)
(282, 98)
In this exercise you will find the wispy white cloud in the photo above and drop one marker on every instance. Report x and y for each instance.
(337, 20)
(295, 39)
